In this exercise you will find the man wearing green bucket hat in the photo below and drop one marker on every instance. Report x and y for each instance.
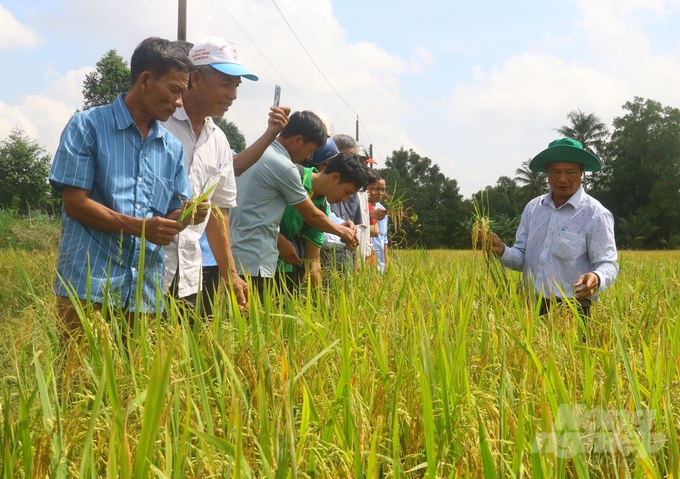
(565, 241)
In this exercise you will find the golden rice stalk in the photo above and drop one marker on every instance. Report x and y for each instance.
(190, 206)
(396, 209)
(481, 228)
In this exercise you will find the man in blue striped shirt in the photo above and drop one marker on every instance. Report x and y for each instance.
(122, 177)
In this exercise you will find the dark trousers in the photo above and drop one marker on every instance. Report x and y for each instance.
(582, 305)
(210, 285)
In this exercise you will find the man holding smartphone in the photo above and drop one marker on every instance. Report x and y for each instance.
(212, 89)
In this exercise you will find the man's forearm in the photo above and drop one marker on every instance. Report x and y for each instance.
(313, 263)
(318, 220)
(254, 152)
(79, 206)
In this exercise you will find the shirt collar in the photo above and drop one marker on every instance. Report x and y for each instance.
(278, 146)
(574, 201)
(181, 115)
(121, 113)
(124, 120)
(209, 124)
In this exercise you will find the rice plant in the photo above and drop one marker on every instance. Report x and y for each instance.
(432, 370)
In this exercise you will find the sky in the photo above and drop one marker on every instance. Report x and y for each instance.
(477, 87)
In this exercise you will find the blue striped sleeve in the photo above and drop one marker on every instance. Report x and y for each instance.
(74, 161)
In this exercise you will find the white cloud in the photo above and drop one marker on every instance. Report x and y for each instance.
(15, 34)
(43, 116)
(422, 59)
(67, 88)
(616, 35)
(508, 114)
(365, 75)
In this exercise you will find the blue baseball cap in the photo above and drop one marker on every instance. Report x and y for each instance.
(326, 153)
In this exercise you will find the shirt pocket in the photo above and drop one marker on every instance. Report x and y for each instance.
(204, 178)
(161, 194)
(569, 246)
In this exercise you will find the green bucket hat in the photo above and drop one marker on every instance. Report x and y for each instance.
(565, 149)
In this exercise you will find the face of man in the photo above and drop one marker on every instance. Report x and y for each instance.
(300, 150)
(339, 192)
(376, 191)
(163, 95)
(216, 91)
(565, 179)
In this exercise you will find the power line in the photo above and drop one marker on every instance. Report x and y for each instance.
(263, 55)
(322, 74)
(311, 59)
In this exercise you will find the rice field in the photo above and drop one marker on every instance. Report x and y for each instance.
(441, 368)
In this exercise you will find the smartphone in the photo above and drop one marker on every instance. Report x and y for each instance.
(277, 95)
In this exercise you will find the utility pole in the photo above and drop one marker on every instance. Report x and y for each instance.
(182, 20)
(357, 138)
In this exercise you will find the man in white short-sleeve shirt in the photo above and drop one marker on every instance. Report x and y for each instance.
(212, 89)
(266, 188)
(565, 241)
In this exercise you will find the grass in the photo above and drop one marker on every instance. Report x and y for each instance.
(31, 234)
(437, 369)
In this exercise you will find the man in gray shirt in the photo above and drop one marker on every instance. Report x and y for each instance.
(266, 188)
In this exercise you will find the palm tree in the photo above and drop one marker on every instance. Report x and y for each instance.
(534, 183)
(586, 128)
(636, 231)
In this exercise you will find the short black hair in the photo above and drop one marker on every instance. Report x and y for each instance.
(308, 125)
(158, 56)
(374, 176)
(351, 168)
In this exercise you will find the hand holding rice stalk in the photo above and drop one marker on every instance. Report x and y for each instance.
(396, 210)
(190, 206)
(482, 235)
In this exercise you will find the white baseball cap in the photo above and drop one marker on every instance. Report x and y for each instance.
(222, 55)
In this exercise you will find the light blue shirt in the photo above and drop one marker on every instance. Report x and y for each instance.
(380, 241)
(207, 257)
(554, 246)
(263, 192)
(101, 150)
